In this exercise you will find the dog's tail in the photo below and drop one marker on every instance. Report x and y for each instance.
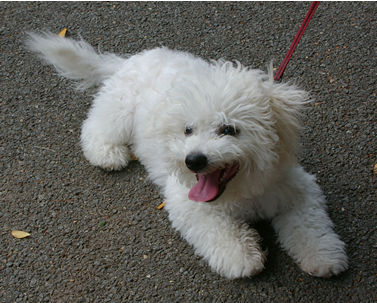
(76, 60)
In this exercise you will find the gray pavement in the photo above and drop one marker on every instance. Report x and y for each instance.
(97, 236)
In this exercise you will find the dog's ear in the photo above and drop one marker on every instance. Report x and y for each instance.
(287, 102)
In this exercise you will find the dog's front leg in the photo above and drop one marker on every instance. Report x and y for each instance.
(305, 230)
(230, 246)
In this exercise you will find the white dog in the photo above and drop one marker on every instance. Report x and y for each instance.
(218, 138)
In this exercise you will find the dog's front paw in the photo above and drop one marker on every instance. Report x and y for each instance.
(238, 263)
(109, 156)
(325, 263)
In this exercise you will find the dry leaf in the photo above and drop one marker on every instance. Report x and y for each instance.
(63, 32)
(133, 157)
(161, 206)
(375, 169)
(19, 234)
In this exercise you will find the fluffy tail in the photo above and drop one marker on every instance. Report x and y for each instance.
(76, 60)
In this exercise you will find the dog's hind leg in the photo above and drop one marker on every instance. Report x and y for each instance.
(107, 133)
(107, 130)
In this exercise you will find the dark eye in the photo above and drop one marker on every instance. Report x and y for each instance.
(188, 130)
(228, 130)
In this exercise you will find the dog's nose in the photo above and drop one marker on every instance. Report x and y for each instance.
(196, 161)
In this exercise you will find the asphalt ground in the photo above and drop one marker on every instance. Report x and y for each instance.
(97, 236)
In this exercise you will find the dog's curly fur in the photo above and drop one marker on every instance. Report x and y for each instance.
(220, 141)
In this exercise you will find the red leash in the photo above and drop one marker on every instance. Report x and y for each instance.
(309, 15)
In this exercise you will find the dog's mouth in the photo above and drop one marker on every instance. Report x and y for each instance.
(210, 186)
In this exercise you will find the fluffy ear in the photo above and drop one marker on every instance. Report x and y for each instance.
(287, 102)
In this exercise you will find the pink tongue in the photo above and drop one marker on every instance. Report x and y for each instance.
(207, 187)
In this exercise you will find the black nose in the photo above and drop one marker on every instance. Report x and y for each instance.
(196, 161)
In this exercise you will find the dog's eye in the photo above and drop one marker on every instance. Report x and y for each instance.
(228, 130)
(188, 130)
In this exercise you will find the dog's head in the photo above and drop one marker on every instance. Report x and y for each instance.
(228, 130)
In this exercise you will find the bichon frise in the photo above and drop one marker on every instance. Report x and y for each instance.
(220, 141)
